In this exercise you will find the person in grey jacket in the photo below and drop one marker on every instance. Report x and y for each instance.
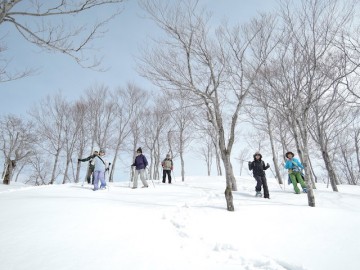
(100, 167)
(167, 165)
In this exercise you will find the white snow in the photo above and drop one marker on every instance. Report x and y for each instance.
(184, 226)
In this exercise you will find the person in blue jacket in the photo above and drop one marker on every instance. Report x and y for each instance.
(294, 167)
(140, 163)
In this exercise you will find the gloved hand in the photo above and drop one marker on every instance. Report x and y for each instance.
(268, 164)
(79, 159)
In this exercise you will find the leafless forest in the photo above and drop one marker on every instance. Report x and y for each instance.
(286, 80)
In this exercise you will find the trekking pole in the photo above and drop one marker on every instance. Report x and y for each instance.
(82, 184)
(131, 175)
(107, 184)
(147, 176)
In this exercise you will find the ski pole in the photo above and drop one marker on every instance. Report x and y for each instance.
(147, 176)
(131, 175)
(83, 181)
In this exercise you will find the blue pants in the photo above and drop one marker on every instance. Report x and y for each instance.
(99, 175)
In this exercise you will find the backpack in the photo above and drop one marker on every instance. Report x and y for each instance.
(167, 164)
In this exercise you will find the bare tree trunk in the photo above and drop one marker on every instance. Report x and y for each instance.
(68, 160)
(113, 164)
(357, 148)
(313, 173)
(9, 171)
(329, 167)
(272, 143)
(19, 170)
(217, 158)
(181, 152)
(52, 181)
(305, 155)
(229, 183)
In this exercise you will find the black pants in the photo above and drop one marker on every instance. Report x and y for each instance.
(90, 175)
(261, 181)
(168, 173)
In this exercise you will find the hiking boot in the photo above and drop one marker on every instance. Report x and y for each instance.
(305, 190)
(258, 194)
(133, 187)
(144, 186)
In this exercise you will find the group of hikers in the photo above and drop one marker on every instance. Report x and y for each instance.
(293, 166)
(98, 166)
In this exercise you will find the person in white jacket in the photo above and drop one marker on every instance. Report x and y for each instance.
(100, 167)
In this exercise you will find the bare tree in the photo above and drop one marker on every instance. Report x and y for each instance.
(263, 118)
(128, 102)
(72, 130)
(215, 70)
(101, 115)
(49, 118)
(81, 111)
(304, 62)
(330, 120)
(40, 174)
(243, 155)
(154, 126)
(17, 139)
(49, 25)
(182, 115)
(206, 129)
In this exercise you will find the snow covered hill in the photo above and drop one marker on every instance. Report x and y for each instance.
(177, 226)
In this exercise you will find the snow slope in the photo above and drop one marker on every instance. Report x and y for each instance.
(177, 226)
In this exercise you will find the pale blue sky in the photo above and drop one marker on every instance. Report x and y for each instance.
(119, 46)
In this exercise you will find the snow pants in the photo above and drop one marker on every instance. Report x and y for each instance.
(168, 173)
(142, 177)
(99, 176)
(261, 181)
(297, 176)
(90, 175)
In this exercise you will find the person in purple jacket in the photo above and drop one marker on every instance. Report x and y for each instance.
(140, 163)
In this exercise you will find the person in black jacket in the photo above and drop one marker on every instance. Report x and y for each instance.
(258, 167)
(90, 170)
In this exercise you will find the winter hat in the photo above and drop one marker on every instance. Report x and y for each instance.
(102, 151)
(139, 150)
(257, 153)
(288, 153)
(168, 155)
